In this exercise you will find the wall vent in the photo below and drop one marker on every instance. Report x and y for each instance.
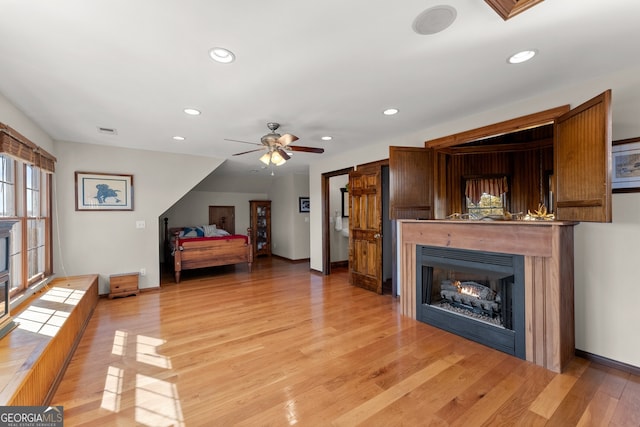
(108, 131)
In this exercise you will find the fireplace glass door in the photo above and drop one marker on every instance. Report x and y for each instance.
(478, 295)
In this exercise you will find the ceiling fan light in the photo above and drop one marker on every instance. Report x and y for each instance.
(277, 159)
(266, 158)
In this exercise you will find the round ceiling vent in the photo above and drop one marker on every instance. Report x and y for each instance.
(434, 20)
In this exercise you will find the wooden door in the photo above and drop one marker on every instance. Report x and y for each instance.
(582, 157)
(411, 181)
(224, 217)
(365, 228)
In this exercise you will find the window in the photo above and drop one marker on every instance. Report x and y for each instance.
(24, 198)
(7, 187)
(486, 196)
(8, 211)
(35, 187)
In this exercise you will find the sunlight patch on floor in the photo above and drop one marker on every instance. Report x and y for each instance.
(156, 401)
(146, 352)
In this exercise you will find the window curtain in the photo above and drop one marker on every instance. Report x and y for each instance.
(18, 146)
(475, 187)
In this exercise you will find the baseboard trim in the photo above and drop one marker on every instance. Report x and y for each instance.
(340, 264)
(293, 261)
(610, 363)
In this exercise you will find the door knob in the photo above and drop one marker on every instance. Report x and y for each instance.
(377, 236)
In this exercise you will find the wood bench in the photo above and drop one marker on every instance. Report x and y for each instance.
(34, 356)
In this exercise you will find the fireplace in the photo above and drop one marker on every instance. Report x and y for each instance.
(475, 294)
(547, 249)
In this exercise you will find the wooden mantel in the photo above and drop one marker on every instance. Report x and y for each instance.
(547, 247)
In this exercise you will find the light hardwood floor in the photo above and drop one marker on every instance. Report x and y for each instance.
(285, 346)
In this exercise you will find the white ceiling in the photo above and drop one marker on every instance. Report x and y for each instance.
(319, 68)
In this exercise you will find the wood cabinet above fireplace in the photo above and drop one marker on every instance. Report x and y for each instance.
(560, 157)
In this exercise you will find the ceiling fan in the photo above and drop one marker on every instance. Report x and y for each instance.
(277, 146)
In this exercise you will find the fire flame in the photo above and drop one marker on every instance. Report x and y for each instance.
(467, 290)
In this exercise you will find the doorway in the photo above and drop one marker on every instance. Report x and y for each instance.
(339, 222)
(328, 224)
(328, 217)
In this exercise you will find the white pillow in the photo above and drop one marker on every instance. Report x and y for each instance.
(220, 232)
(209, 230)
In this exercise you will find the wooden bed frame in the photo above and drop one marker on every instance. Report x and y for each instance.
(206, 253)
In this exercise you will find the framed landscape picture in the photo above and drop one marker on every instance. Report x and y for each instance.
(626, 166)
(103, 192)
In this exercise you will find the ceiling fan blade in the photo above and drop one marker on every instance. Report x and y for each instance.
(250, 151)
(283, 154)
(286, 139)
(244, 142)
(306, 149)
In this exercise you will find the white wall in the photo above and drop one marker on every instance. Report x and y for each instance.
(106, 243)
(606, 283)
(11, 116)
(290, 228)
(607, 316)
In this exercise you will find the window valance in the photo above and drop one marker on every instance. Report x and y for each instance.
(475, 187)
(20, 147)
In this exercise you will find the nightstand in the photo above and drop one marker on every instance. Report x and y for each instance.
(123, 285)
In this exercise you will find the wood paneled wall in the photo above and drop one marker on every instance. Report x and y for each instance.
(526, 171)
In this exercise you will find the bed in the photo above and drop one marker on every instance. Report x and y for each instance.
(193, 247)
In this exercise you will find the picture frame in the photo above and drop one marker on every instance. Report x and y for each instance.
(303, 205)
(625, 176)
(97, 191)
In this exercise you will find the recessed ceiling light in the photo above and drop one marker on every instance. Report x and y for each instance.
(390, 111)
(327, 138)
(522, 56)
(222, 55)
(178, 138)
(192, 111)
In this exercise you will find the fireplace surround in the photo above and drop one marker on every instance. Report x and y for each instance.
(547, 251)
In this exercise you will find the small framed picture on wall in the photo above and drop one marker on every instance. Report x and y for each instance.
(303, 204)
